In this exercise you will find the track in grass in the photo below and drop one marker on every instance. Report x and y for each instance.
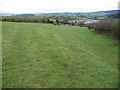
(42, 55)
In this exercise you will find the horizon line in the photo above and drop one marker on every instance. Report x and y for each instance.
(58, 12)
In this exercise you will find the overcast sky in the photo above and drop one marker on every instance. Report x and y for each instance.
(39, 6)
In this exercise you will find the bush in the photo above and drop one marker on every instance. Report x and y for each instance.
(107, 27)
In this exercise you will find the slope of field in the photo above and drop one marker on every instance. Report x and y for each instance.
(43, 55)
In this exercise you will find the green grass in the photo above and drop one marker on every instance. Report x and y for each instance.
(44, 56)
(101, 17)
(96, 14)
(80, 18)
(35, 17)
(22, 17)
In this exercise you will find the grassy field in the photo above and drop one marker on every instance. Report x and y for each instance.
(80, 18)
(48, 56)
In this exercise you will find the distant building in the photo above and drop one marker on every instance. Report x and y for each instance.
(91, 21)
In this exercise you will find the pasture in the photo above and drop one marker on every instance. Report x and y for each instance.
(49, 56)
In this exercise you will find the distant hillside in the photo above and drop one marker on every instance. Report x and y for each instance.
(101, 13)
(82, 14)
(115, 16)
(26, 15)
(86, 14)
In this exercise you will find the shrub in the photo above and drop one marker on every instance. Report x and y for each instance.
(107, 27)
